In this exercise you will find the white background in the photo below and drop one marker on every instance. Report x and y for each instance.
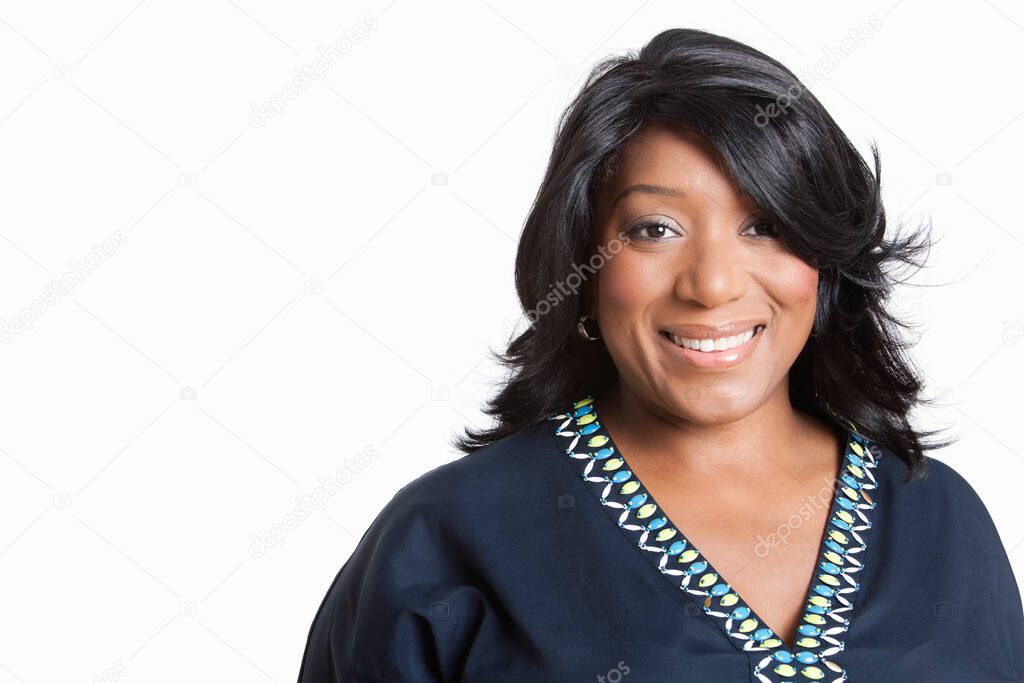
(280, 300)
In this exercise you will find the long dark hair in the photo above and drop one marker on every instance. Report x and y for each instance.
(784, 150)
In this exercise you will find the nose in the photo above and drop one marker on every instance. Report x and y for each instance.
(711, 269)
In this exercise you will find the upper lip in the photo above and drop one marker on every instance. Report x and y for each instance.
(713, 331)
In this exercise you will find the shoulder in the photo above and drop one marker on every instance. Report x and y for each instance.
(940, 487)
(419, 560)
(505, 474)
(937, 530)
(938, 490)
(938, 509)
(452, 513)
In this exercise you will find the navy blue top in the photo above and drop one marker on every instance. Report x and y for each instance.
(542, 557)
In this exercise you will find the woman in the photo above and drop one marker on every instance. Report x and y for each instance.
(702, 467)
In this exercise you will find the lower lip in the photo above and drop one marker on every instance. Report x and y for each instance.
(715, 359)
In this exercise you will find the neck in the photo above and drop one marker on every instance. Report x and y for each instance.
(774, 439)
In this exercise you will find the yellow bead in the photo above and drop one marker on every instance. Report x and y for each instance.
(707, 580)
(813, 673)
(819, 601)
(629, 487)
(645, 511)
(688, 555)
(785, 670)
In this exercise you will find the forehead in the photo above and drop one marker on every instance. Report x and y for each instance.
(674, 156)
(664, 152)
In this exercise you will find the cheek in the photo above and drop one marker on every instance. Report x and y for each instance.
(627, 287)
(794, 286)
(618, 287)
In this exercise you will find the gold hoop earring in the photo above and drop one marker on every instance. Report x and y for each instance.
(582, 329)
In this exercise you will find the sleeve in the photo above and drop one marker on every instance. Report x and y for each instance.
(979, 545)
(398, 609)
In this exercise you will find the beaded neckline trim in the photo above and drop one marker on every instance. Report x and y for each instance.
(829, 603)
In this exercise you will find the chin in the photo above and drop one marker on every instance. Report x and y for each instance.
(708, 406)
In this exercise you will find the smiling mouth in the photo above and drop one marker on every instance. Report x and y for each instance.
(713, 345)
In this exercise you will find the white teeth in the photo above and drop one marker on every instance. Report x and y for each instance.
(707, 345)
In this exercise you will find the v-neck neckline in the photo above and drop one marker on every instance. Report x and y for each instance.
(828, 604)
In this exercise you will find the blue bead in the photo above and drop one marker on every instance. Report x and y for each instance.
(806, 657)
(621, 476)
(657, 523)
(637, 500)
(741, 612)
(783, 656)
(719, 589)
(846, 503)
(824, 591)
(761, 634)
(698, 567)
(835, 547)
(829, 568)
(677, 547)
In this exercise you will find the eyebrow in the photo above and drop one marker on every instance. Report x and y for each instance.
(650, 189)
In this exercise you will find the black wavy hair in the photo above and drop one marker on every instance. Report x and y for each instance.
(784, 150)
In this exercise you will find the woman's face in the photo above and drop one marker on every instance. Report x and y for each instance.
(699, 254)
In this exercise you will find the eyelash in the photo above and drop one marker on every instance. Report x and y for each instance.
(657, 223)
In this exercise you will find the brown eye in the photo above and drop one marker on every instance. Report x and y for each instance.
(767, 228)
(652, 230)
